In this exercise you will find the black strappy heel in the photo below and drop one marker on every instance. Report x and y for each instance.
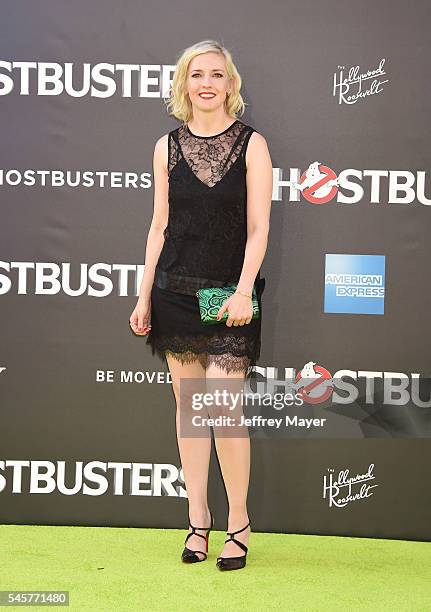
(191, 556)
(232, 563)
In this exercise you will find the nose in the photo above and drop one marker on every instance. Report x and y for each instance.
(206, 81)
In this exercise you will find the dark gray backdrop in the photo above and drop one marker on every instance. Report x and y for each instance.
(55, 408)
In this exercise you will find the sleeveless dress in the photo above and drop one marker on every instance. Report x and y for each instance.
(204, 246)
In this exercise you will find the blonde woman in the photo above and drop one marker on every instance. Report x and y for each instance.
(210, 225)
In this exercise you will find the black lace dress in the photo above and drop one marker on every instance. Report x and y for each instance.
(204, 246)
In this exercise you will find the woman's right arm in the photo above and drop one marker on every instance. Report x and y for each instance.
(155, 238)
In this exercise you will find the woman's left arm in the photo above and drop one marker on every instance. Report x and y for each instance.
(259, 199)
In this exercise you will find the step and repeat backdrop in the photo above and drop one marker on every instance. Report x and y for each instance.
(341, 93)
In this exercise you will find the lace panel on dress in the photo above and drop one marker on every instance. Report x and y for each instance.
(209, 157)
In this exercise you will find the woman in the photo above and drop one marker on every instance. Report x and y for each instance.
(213, 187)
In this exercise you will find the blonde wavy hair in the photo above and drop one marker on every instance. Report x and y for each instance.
(178, 103)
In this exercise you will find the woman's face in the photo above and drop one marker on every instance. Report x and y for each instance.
(207, 74)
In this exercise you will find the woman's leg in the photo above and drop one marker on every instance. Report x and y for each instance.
(194, 451)
(233, 451)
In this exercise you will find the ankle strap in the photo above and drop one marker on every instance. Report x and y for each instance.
(204, 528)
(237, 542)
(232, 533)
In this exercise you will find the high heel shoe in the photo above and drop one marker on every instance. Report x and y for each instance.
(232, 563)
(191, 556)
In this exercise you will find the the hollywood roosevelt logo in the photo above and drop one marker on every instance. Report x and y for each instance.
(343, 489)
(358, 84)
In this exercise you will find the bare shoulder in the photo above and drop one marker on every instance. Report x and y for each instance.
(161, 152)
(257, 149)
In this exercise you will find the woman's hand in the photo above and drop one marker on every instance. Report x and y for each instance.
(240, 309)
(140, 319)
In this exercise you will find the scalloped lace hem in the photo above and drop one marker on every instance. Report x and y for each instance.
(230, 354)
(226, 362)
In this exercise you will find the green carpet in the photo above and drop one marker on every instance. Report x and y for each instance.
(140, 569)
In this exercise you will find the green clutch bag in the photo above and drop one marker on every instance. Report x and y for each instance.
(212, 298)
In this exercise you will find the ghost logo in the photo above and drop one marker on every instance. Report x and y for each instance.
(318, 184)
(314, 383)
